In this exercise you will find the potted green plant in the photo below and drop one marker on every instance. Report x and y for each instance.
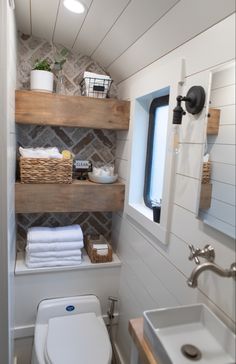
(41, 77)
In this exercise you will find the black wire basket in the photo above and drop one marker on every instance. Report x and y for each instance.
(95, 87)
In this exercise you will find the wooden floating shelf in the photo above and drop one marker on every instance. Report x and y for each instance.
(74, 111)
(205, 196)
(213, 122)
(79, 196)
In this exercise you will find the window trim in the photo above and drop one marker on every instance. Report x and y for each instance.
(165, 79)
(156, 103)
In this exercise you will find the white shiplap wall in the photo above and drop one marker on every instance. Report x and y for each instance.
(122, 36)
(154, 275)
(221, 148)
(29, 291)
(7, 178)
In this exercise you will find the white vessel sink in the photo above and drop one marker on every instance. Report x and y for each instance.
(169, 330)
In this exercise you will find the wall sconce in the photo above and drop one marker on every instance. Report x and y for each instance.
(194, 103)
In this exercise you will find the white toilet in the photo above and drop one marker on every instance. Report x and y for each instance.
(71, 331)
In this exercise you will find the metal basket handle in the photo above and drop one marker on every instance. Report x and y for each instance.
(98, 88)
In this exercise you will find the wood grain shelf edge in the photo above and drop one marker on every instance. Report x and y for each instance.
(42, 108)
(80, 196)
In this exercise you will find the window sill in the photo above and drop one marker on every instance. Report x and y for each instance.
(142, 218)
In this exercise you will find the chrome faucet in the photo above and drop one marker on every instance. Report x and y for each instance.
(111, 310)
(208, 253)
(192, 281)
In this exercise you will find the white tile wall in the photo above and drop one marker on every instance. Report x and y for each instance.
(154, 275)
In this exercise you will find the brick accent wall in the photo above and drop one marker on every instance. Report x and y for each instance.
(95, 145)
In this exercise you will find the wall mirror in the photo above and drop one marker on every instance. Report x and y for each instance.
(217, 195)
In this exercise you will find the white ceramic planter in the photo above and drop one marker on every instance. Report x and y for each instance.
(41, 81)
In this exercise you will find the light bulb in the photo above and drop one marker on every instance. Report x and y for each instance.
(75, 6)
(176, 138)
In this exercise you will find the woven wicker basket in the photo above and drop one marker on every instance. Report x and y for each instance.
(206, 172)
(90, 242)
(45, 170)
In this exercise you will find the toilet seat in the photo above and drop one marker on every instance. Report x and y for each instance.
(82, 338)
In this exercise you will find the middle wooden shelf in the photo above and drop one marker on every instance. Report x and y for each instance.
(79, 196)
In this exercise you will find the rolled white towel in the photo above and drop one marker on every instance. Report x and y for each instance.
(45, 247)
(40, 153)
(55, 255)
(31, 259)
(56, 263)
(96, 75)
(54, 235)
(102, 249)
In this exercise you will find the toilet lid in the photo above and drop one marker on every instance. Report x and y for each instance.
(77, 339)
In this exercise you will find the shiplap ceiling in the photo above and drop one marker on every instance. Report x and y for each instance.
(122, 35)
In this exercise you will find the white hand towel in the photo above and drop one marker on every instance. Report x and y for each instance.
(102, 249)
(40, 153)
(55, 255)
(57, 263)
(54, 235)
(30, 259)
(96, 75)
(45, 247)
(102, 252)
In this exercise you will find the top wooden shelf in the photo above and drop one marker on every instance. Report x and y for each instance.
(74, 111)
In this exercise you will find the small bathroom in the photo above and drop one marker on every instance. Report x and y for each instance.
(117, 182)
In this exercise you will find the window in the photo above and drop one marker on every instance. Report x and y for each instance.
(156, 150)
(161, 83)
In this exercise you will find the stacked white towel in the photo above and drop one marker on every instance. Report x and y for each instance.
(49, 247)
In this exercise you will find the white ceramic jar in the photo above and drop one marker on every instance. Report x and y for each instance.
(41, 81)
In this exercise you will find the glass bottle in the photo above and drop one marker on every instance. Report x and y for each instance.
(60, 86)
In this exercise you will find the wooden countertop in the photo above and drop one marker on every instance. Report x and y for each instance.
(136, 332)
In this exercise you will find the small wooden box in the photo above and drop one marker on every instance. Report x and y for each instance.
(93, 253)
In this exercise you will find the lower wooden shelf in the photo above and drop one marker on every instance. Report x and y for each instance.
(22, 269)
(76, 197)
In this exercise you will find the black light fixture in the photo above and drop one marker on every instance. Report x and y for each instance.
(194, 103)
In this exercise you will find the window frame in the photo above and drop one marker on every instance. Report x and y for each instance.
(155, 104)
(165, 79)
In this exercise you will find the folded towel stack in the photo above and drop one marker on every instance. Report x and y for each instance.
(49, 247)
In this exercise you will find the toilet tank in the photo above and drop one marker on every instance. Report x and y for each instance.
(67, 306)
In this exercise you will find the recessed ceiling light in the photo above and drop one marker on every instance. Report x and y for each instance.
(75, 6)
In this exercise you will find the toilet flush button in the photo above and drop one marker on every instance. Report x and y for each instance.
(70, 308)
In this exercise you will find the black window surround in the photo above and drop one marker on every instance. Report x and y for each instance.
(156, 103)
